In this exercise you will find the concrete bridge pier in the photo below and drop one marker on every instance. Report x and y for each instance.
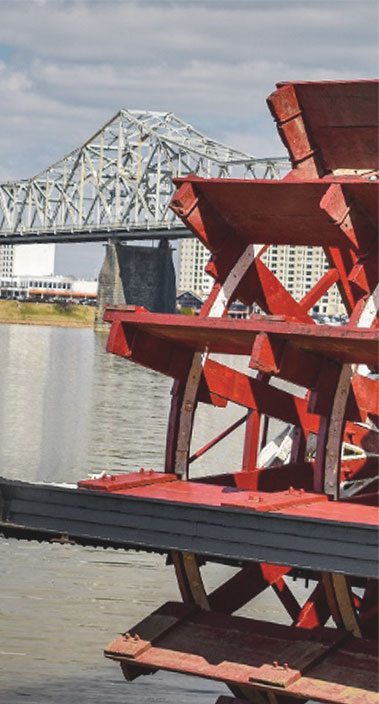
(136, 275)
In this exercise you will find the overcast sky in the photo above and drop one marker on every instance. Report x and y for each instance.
(66, 67)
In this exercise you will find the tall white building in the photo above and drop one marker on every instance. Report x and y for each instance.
(26, 259)
(6, 259)
(193, 257)
(298, 269)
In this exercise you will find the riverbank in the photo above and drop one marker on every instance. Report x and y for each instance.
(58, 314)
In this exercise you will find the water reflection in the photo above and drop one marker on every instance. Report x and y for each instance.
(68, 408)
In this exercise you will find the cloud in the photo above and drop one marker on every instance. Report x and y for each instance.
(67, 66)
(146, 32)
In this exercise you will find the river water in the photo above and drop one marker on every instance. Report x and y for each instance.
(68, 409)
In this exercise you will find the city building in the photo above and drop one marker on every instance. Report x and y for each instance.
(27, 259)
(193, 257)
(298, 269)
(48, 288)
(188, 301)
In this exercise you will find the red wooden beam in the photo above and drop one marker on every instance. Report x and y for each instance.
(252, 654)
(328, 125)
(344, 344)
(237, 211)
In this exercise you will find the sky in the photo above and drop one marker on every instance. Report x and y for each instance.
(67, 66)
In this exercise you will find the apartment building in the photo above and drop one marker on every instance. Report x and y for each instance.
(193, 257)
(6, 259)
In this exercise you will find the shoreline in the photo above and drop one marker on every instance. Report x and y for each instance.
(46, 314)
(49, 323)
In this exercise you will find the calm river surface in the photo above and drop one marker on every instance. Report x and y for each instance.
(67, 409)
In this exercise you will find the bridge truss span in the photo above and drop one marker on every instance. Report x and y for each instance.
(118, 184)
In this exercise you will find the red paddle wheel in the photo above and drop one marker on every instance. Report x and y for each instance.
(325, 466)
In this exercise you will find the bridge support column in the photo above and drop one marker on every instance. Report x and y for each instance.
(137, 275)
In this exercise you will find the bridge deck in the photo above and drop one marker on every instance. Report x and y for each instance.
(93, 234)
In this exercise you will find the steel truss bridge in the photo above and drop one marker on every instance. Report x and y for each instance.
(117, 186)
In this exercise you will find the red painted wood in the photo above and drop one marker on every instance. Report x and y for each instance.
(265, 355)
(315, 612)
(365, 393)
(337, 511)
(319, 289)
(114, 482)
(304, 153)
(360, 468)
(339, 120)
(344, 344)
(352, 213)
(363, 436)
(298, 217)
(250, 581)
(286, 597)
(245, 208)
(251, 441)
(368, 612)
(259, 285)
(291, 501)
(274, 500)
(343, 260)
(280, 478)
(251, 393)
(241, 651)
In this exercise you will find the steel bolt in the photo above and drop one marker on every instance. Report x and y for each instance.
(275, 663)
(286, 666)
(142, 471)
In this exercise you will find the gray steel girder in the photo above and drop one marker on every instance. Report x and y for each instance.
(45, 511)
